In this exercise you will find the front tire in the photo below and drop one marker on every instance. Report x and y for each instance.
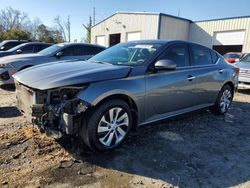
(223, 101)
(108, 125)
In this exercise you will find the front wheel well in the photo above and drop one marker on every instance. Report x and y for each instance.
(126, 99)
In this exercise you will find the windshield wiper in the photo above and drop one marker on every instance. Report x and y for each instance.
(101, 62)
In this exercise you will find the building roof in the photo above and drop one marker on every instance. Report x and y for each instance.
(228, 18)
(143, 13)
(168, 15)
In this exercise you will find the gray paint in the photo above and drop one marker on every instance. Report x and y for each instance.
(157, 95)
(67, 73)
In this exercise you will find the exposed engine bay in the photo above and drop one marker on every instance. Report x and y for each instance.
(56, 109)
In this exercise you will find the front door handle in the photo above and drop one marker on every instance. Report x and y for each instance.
(190, 78)
(221, 71)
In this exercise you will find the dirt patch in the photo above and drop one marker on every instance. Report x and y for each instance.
(195, 150)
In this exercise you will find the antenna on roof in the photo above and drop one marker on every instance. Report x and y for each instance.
(179, 12)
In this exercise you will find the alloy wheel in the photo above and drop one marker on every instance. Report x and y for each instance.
(113, 127)
(225, 101)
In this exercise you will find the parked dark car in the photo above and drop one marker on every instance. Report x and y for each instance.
(26, 48)
(8, 44)
(128, 85)
(58, 52)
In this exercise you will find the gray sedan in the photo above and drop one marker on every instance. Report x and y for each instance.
(58, 52)
(26, 48)
(128, 85)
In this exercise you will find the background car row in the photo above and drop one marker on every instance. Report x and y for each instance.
(9, 65)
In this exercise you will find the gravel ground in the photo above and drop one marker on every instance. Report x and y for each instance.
(195, 150)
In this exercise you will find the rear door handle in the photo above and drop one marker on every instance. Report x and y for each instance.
(190, 78)
(221, 71)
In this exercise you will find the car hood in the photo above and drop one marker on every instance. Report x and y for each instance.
(18, 58)
(243, 65)
(54, 75)
(3, 54)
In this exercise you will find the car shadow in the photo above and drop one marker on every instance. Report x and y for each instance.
(9, 87)
(244, 91)
(194, 150)
(9, 112)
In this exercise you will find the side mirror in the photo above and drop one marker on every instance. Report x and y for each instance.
(2, 48)
(59, 54)
(19, 51)
(165, 64)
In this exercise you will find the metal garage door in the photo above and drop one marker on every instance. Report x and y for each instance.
(100, 40)
(230, 41)
(229, 38)
(133, 36)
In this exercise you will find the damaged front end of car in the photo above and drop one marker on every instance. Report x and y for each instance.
(55, 111)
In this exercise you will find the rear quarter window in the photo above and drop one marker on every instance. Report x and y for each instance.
(214, 56)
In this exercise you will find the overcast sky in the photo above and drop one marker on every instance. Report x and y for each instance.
(80, 10)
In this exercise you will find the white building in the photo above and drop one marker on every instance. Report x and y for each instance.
(224, 35)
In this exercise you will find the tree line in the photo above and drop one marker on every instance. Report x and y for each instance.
(15, 24)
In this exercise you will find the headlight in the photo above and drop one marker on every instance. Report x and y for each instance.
(65, 93)
(5, 65)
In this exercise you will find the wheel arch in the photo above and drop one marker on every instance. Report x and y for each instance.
(231, 84)
(126, 98)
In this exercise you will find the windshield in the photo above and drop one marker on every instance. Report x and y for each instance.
(2, 43)
(51, 50)
(127, 54)
(246, 58)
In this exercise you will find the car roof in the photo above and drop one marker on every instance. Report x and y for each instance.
(15, 41)
(80, 43)
(28, 43)
(162, 41)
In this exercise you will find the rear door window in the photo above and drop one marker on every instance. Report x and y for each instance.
(81, 50)
(27, 49)
(72, 51)
(39, 47)
(200, 55)
(89, 50)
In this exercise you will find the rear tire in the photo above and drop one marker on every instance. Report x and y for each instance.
(223, 101)
(108, 125)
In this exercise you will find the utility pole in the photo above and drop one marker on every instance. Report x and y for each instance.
(94, 17)
(68, 26)
(179, 12)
